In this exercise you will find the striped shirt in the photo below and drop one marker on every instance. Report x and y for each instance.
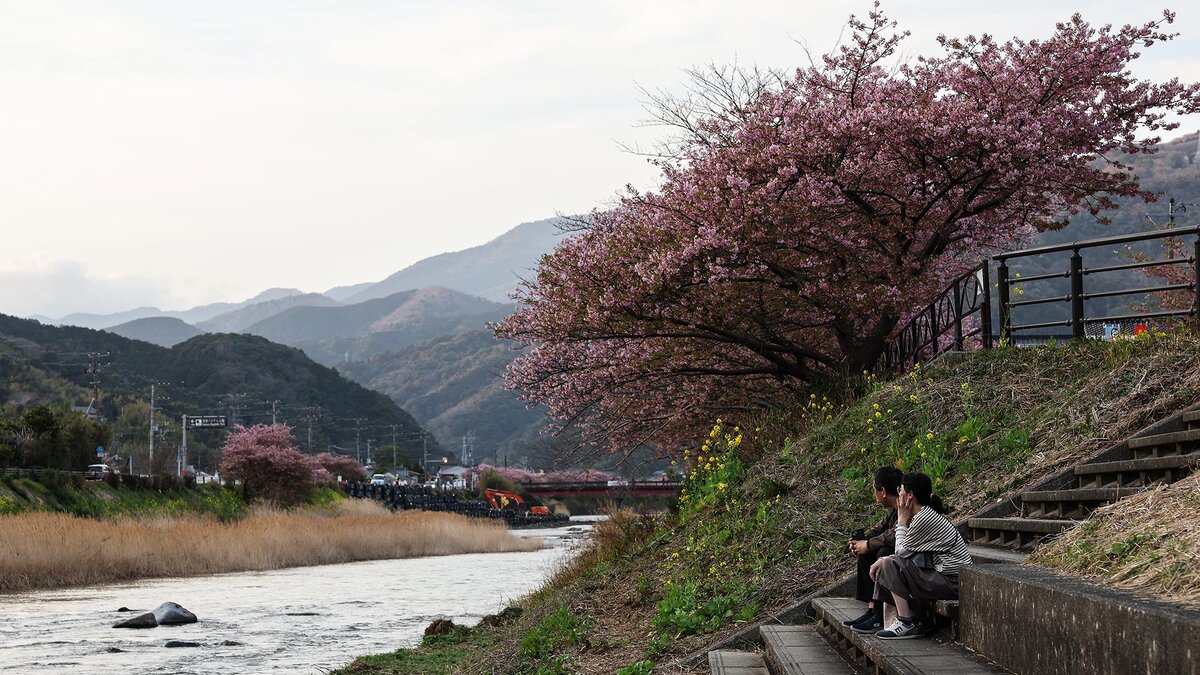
(929, 530)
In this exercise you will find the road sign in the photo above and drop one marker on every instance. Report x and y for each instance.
(99, 450)
(206, 422)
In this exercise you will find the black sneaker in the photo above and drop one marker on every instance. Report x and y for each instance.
(865, 615)
(870, 624)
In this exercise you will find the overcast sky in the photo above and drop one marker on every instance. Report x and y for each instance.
(173, 154)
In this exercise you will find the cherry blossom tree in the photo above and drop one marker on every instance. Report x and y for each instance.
(802, 218)
(268, 465)
(338, 465)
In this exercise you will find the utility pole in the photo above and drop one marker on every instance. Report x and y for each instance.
(181, 458)
(424, 454)
(393, 446)
(357, 452)
(152, 430)
(94, 371)
(273, 412)
(369, 449)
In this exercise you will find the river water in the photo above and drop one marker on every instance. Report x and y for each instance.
(299, 620)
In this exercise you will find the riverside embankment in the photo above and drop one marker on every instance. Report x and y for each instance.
(53, 550)
(298, 620)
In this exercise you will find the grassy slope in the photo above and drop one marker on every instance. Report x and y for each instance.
(769, 506)
(1149, 543)
(65, 493)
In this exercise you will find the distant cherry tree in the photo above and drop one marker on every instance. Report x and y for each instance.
(802, 218)
(268, 465)
(338, 465)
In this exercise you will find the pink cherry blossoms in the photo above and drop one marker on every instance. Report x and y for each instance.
(268, 466)
(795, 229)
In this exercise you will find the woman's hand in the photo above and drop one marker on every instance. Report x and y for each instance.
(906, 507)
(876, 566)
(858, 546)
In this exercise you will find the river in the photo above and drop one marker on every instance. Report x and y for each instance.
(298, 620)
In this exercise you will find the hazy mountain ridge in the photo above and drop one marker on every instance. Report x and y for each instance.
(331, 334)
(163, 331)
(192, 316)
(491, 271)
(242, 318)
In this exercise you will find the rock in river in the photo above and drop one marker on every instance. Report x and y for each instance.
(146, 620)
(169, 614)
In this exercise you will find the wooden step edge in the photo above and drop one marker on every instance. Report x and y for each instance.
(1192, 417)
(1143, 464)
(1186, 436)
(723, 662)
(1035, 525)
(801, 650)
(1080, 494)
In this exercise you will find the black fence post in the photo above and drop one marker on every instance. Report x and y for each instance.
(1076, 294)
(1005, 310)
(985, 325)
(958, 317)
(1196, 277)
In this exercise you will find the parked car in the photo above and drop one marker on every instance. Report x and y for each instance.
(383, 479)
(96, 472)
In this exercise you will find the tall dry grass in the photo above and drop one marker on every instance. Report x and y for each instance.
(49, 550)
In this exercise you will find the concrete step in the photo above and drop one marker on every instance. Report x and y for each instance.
(987, 554)
(925, 656)
(736, 663)
(1165, 445)
(1070, 504)
(1192, 419)
(801, 650)
(1016, 533)
(1136, 472)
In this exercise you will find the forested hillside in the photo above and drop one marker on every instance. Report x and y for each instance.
(452, 386)
(241, 376)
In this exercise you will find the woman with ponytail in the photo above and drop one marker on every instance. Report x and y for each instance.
(929, 553)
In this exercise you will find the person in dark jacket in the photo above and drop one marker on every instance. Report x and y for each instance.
(869, 545)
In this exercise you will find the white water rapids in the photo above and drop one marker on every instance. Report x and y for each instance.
(299, 620)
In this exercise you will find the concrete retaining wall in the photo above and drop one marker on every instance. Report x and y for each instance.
(1034, 622)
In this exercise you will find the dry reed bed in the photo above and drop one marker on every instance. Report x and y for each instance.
(50, 550)
(1149, 543)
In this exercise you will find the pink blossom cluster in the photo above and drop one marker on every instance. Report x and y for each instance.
(268, 466)
(798, 225)
(339, 465)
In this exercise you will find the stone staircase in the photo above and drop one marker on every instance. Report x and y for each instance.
(999, 536)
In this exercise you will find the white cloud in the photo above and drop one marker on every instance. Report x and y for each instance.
(62, 287)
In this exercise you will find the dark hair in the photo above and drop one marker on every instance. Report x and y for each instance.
(887, 478)
(922, 489)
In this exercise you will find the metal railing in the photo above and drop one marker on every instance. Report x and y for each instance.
(947, 322)
(1077, 274)
(946, 317)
